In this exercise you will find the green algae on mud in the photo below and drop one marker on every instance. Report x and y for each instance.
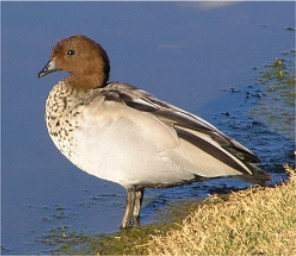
(277, 109)
(130, 241)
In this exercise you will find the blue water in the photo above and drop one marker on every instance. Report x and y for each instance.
(185, 53)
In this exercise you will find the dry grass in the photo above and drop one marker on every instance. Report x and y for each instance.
(251, 222)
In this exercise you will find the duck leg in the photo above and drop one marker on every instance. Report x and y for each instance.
(139, 194)
(130, 205)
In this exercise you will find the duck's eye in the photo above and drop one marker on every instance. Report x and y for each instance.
(70, 52)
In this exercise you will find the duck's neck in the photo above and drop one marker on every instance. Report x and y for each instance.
(86, 81)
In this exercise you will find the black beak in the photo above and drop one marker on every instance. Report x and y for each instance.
(48, 68)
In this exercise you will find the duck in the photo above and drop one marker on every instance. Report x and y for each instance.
(123, 134)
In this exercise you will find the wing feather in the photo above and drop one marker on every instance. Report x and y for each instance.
(172, 115)
(187, 126)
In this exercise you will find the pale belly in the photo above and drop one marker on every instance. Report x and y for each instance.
(128, 153)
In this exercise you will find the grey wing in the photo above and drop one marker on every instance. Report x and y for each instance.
(182, 119)
(189, 127)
